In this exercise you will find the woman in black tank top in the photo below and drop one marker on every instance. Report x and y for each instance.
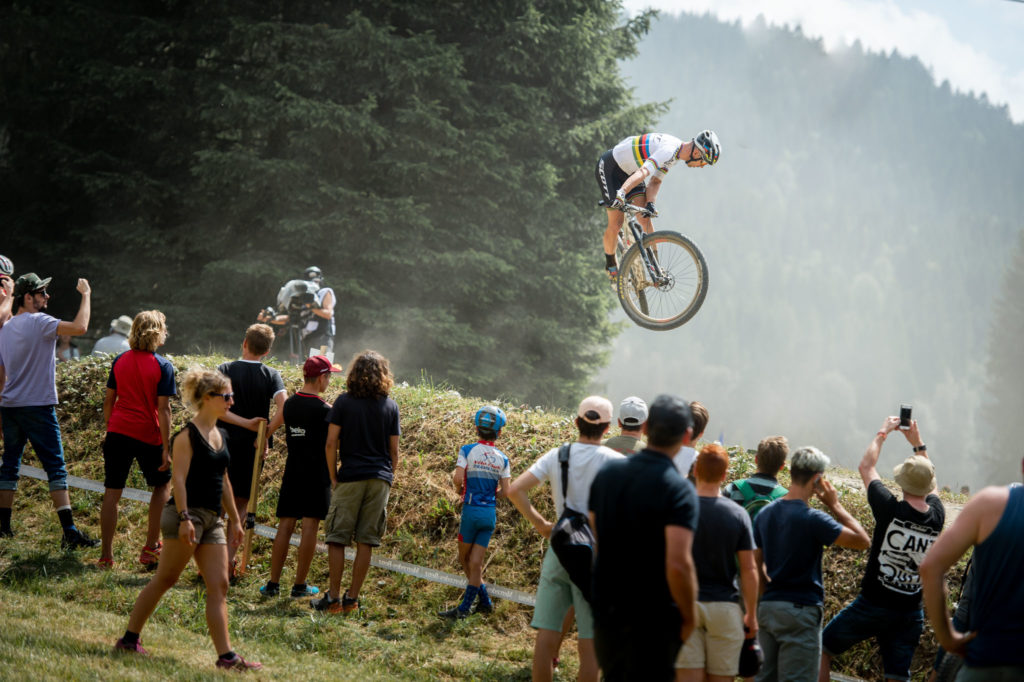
(192, 522)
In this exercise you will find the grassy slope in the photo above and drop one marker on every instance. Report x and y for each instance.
(396, 635)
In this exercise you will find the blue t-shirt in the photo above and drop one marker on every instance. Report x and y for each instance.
(485, 466)
(791, 537)
(27, 354)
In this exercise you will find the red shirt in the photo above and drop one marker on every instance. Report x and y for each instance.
(139, 377)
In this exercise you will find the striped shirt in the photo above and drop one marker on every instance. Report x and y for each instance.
(656, 151)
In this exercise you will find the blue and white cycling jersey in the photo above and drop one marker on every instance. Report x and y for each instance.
(485, 466)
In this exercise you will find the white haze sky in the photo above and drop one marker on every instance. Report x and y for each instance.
(977, 45)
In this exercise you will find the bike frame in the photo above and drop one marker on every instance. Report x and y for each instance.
(632, 211)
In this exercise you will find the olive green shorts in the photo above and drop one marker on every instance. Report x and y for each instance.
(358, 512)
(209, 525)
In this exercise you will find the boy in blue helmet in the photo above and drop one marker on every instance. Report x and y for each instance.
(482, 473)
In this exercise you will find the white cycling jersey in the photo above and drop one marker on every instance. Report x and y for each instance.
(656, 151)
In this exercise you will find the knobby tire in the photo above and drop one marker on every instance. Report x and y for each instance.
(670, 305)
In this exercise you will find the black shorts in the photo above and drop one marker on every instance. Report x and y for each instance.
(610, 178)
(639, 649)
(119, 451)
(303, 499)
(242, 452)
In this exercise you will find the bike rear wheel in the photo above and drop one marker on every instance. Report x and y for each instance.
(671, 299)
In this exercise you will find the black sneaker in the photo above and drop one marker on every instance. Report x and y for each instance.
(299, 591)
(348, 604)
(76, 539)
(6, 533)
(326, 603)
(454, 614)
(270, 590)
(481, 607)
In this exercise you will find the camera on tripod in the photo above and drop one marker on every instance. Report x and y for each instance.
(297, 299)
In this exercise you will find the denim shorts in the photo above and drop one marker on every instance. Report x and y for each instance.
(36, 425)
(477, 525)
(897, 632)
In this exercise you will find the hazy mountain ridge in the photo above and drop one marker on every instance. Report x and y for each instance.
(857, 229)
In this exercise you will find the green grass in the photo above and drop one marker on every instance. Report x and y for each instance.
(60, 616)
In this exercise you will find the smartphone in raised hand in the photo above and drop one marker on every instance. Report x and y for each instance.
(905, 417)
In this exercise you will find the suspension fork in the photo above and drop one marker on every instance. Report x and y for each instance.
(650, 260)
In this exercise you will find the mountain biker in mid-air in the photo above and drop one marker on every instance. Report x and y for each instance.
(633, 169)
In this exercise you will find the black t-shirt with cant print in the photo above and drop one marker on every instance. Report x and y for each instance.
(902, 537)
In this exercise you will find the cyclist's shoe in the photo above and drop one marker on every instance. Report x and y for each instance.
(238, 663)
(299, 591)
(150, 556)
(135, 648)
(613, 274)
(75, 539)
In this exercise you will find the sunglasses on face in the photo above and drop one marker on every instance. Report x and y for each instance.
(226, 396)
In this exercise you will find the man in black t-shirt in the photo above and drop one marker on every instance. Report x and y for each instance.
(255, 386)
(306, 485)
(644, 515)
(888, 607)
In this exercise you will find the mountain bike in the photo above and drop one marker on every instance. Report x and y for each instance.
(663, 277)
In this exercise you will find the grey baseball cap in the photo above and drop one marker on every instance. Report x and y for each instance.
(633, 411)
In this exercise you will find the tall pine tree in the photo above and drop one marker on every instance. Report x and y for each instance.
(434, 159)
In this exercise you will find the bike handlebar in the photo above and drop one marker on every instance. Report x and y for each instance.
(627, 208)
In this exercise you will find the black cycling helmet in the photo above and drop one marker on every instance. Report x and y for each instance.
(6, 266)
(709, 146)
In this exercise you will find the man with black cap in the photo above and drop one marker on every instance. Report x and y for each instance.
(28, 397)
(888, 607)
(644, 515)
(632, 415)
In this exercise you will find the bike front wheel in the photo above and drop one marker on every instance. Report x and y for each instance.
(666, 289)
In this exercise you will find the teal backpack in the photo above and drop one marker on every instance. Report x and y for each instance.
(752, 501)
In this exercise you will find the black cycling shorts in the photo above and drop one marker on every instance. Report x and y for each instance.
(119, 451)
(610, 178)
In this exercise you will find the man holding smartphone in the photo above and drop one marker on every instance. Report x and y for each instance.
(790, 537)
(888, 607)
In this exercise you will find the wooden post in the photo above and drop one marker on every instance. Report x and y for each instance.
(254, 493)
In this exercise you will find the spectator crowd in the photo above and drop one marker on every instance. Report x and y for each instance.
(669, 569)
